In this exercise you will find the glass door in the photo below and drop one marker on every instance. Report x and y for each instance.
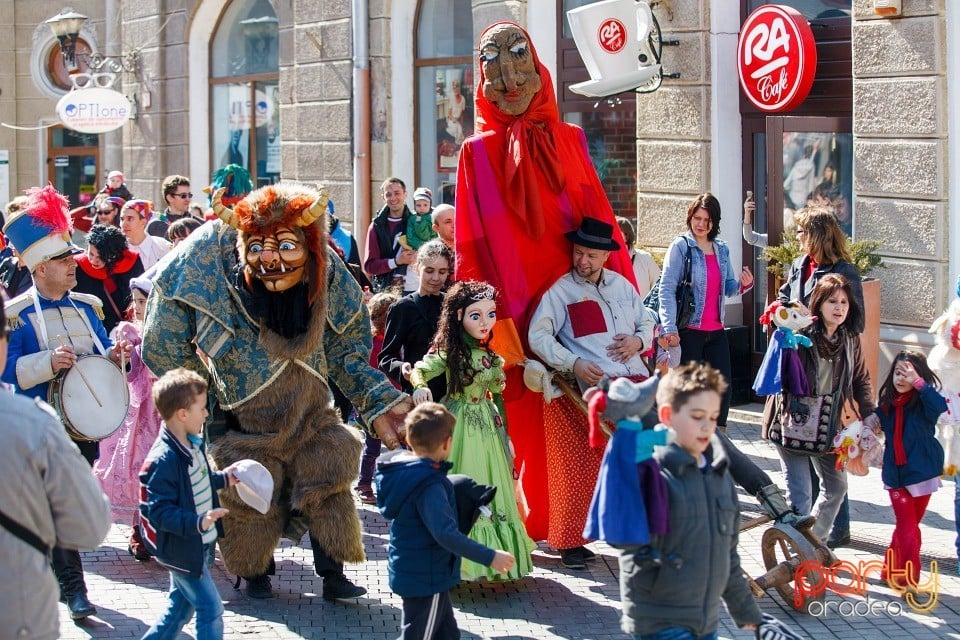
(73, 161)
(791, 163)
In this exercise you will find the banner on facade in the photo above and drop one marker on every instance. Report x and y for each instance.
(776, 58)
(94, 110)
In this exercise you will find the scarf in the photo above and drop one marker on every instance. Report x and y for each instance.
(827, 348)
(124, 264)
(899, 401)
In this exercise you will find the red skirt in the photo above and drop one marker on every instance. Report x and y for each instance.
(572, 469)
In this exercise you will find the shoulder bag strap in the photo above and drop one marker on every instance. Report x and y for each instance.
(24, 534)
(687, 266)
(110, 300)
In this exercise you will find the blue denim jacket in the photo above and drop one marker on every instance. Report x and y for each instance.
(673, 273)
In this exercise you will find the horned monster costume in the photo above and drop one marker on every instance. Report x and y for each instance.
(277, 315)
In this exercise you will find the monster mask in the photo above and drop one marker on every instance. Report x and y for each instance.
(281, 239)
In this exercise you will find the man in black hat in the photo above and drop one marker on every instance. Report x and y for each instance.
(591, 322)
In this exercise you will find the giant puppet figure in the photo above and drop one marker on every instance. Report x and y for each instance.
(524, 180)
(275, 315)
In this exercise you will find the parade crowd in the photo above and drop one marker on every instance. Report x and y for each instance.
(234, 372)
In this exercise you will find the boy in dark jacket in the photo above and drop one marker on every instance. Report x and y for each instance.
(414, 493)
(699, 562)
(179, 507)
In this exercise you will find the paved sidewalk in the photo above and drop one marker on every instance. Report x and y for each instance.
(551, 603)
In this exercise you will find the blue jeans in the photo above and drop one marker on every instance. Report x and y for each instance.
(799, 487)
(186, 596)
(675, 633)
(841, 524)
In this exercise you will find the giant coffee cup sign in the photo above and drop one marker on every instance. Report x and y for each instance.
(776, 58)
(94, 110)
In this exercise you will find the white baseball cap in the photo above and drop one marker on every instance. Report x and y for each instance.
(255, 486)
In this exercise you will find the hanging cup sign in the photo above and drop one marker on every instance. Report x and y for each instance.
(94, 110)
(776, 58)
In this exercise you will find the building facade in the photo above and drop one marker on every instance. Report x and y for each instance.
(349, 92)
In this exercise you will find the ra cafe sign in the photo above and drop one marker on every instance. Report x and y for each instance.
(776, 58)
(94, 110)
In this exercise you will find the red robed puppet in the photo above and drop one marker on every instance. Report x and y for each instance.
(524, 180)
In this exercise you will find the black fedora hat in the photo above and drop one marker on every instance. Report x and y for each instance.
(594, 234)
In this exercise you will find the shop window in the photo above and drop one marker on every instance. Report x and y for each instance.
(244, 106)
(444, 67)
(610, 126)
(812, 9)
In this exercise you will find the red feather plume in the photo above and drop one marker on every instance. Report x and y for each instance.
(49, 208)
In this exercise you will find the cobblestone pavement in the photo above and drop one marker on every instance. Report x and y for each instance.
(553, 602)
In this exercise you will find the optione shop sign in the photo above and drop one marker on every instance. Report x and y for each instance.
(94, 110)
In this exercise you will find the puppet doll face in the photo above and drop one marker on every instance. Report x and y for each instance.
(276, 259)
(478, 319)
(509, 70)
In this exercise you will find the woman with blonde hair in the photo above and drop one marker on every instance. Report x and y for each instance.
(825, 251)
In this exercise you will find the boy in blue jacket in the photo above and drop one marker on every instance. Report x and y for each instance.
(179, 507)
(414, 493)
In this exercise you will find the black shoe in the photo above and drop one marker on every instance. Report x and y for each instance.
(842, 541)
(337, 587)
(140, 553)
(587, 554)
(80, 607)
(573, 558)
(259, 587)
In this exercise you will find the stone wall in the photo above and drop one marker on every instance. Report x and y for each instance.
(316, 89)
(900, 154)
(673, 127)
(157, 144)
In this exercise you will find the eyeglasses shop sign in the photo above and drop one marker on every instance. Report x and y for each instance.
(94, 110)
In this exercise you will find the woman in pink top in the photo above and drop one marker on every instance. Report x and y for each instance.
(713, 280)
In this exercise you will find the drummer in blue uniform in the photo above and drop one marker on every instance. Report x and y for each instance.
(71, 327)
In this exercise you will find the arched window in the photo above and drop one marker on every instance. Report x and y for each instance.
(444, 65)
(244, 73)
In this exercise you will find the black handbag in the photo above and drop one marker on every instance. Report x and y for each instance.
(685, 301)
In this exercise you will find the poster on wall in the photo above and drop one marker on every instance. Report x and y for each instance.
(454, 114)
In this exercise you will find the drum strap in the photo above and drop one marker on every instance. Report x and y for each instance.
(24, 534)
(42, 323)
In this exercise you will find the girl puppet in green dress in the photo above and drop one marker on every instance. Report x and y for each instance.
(481, 450)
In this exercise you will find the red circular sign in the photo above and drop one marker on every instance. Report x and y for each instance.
(612, 35)
(776, 58)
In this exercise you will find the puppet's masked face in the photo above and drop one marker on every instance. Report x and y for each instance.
(509, 70)
(276, 259)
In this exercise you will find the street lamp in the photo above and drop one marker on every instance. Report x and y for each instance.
(66, 27)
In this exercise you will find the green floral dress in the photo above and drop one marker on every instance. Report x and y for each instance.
(480, 450)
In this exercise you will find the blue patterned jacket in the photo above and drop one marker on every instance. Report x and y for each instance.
(194, 300)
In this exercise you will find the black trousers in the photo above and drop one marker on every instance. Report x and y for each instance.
(744, 472)
(322, 562)
(711, 347)
(429, 618)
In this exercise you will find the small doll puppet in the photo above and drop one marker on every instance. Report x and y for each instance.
(629, 505)
(781, 369)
